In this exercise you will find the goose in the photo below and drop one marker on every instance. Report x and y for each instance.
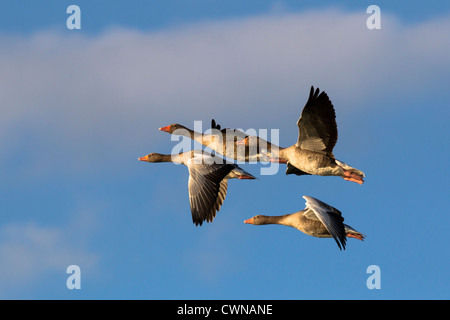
(220, 140)
(312, 154)
(208, 180)
(318, 219)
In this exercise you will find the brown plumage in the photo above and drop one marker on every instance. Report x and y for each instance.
(221, 140)
(318, 219)
(312, 154)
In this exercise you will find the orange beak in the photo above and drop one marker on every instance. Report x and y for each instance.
(249, 221)
(144, 158)
(243, 142)
(165, 129)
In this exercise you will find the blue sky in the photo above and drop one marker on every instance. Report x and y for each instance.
(80, 106)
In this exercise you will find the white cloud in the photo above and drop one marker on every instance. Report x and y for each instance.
(85, 98)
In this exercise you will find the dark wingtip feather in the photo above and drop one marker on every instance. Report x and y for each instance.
(313, 94)
(340, 243)
(214, 125)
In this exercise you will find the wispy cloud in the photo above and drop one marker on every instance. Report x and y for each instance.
(31, 251)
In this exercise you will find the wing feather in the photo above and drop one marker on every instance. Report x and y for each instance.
(329, 216)
(317, 128)
(207, 190)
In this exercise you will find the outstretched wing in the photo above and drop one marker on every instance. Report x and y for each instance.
(317, 128)
(207, 190)
(329, 216)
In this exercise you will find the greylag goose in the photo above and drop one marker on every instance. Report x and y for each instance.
(208, 176)
(222, 141)
(317, 136)
(318, 219)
